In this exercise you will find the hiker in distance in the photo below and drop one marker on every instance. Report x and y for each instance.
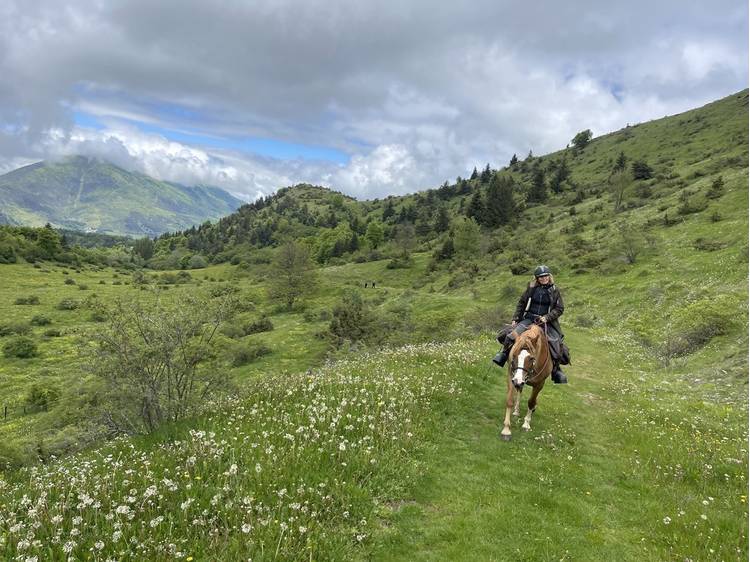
(541, 303)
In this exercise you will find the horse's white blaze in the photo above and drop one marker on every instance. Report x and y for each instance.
(518, 375)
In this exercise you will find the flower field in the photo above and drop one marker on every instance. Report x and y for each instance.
(295, 471)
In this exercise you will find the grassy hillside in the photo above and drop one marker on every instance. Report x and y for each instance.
(80, 193)
(643, 456)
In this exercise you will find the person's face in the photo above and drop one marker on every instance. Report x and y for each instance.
(543, 279)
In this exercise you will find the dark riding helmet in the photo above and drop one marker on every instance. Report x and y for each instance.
(542, 270)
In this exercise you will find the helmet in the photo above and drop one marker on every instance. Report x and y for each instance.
(542, 270)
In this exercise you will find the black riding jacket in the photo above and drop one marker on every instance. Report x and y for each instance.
(543, 301)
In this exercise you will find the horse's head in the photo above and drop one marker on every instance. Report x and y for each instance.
(521, 368)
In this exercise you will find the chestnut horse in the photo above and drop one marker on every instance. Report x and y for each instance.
(529, 362)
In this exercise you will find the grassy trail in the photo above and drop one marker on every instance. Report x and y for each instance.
(579, 486)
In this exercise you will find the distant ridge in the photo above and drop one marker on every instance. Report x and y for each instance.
(92, 195)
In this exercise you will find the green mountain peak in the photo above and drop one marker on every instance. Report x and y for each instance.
(90, 194)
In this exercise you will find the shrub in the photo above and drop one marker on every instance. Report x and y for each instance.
(68, 304)
(246, 354)
(198, 262)
(41, 396)
(40, 320)
(222, 291)
(22, 347)
(232, 331)
(27, 300)
(487, 319)
(263, 324)
(352, 320)
(11, 328)
(708, 245)
(83, 287)
(157, 361)
(69, 281)
(690, 206)
(52, 333)
(717, 188)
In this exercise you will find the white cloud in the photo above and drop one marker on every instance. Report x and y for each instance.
(413, 94)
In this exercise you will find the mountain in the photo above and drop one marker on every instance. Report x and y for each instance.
(92, 195)
(634, 177)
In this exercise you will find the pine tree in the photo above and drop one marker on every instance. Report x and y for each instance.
(486, 175)
(621, 163)
(388, 210)
(538, 191)
(474, 174)
(513, 160)
(500, 207)
(476, 208)
(442, 220)
(561, 174)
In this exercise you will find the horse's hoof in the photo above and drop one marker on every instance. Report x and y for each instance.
(505, 437)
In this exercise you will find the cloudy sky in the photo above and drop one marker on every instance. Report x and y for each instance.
(370, 98)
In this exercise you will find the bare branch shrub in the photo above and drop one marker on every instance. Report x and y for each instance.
(157, 360)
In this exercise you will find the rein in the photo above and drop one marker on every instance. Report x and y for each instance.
(532, 371)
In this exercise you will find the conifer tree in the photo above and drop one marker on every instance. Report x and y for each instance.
(538, 191)
(476, 208)
(486, 174)
(474, 174)
(500, 207)
(442, 220)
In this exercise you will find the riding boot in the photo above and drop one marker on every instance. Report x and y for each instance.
(558, 377)
(502, 356)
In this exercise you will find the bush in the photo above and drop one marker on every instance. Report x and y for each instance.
(69, 281)
(264, 324)
(40, 320)
(17, 328)
(198, 262)
(52, 333)
(247, 354)
(22, 347)
(41, 396)
(157, 362)
(486, 319)
(708, 245)
(27, 300)
(232, 331)
(83, 287)
(352, 319)
(68, 304)
(698, 323)
(222, 291)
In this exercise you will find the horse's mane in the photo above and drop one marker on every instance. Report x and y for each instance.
(533, 341)
(529, 339)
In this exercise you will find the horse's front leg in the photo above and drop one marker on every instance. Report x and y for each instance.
(517, 402)
(505, 433)
(532, 406)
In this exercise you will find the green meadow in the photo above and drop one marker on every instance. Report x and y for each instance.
(387, 447)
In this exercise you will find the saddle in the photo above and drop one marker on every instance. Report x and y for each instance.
(559, 351)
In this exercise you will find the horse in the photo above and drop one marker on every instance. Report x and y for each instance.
(529, 362)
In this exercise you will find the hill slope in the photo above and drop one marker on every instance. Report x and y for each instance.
(87, 194)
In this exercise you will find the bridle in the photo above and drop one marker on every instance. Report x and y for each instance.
(527, 372)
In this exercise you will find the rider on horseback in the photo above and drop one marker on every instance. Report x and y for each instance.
(541, 303)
